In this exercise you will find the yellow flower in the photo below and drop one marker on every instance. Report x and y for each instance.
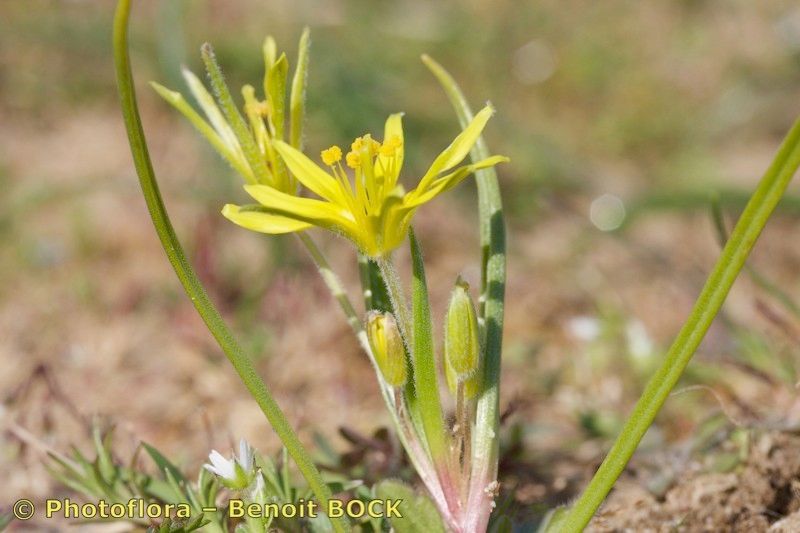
(373, 210)
(245, 139)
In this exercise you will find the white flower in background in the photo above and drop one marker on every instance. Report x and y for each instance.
(640, 345)
(584, 328)
(246, 453)
(220, 466)
(236, 473)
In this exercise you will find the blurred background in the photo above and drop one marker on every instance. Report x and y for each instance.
(625, 123)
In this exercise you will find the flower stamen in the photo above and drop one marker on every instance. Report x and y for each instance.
(353, 159)
(331, 155)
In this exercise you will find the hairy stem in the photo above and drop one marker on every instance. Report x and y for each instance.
(333, 283)
(443, 495)
(464, 434)
(395, 288)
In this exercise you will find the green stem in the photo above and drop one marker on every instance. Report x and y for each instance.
(191, 284)
(366, 281)
(334, 284)
(461, 423)
(730, 263)
(398, 299)
(394, 399)
(772, 289)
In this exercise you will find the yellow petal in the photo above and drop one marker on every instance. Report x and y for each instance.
(393, 128)
(459, 148)
(250, 217)
(316, 212)
(418, 196)
(395, 217)
(310, 174)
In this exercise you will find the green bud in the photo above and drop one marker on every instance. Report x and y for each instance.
(461, 344)
(471, 384)
(387, 347)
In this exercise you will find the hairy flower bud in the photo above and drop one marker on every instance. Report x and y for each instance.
(471, 384)
(461, 343)
(387, 347)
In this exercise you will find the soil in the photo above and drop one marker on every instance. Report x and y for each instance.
(761, 494)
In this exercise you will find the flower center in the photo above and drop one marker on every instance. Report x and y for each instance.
(376, 167)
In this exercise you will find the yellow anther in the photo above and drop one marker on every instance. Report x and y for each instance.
(353, 159)
(373, 145)
(331, 155)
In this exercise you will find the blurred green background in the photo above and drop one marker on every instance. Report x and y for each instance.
(623, 119)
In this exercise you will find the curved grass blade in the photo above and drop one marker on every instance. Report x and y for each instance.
(187, 276)
(768, 286)
(758, 210)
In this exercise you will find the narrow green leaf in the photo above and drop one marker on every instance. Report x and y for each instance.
(373, 284)
(105, 463)
(207, 488)
(758, 210)
(160, 490)
(163, 464)
(176, 486)
(276, 85)
(297, 102)
(69, 467)
(76, 483)
(271, 477)
(767, 285)
(425, 375)
(491, 304)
